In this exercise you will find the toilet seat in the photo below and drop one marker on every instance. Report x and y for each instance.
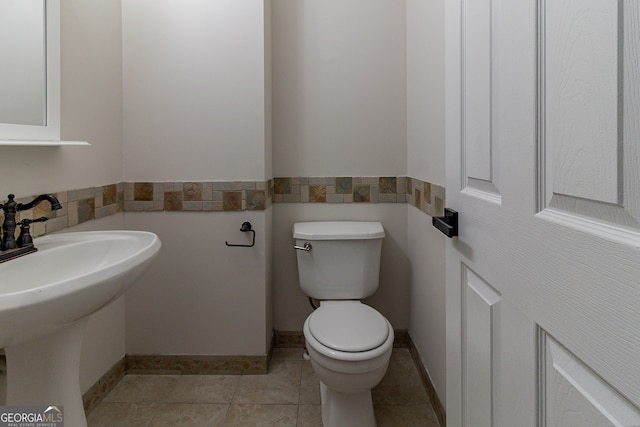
(348, 326)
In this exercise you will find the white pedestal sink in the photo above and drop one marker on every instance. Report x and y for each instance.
(45, 300)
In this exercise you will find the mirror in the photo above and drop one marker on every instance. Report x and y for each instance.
(23, 78)
(30, 72)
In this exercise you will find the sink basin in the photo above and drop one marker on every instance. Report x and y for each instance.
(45, 300)
(71, 276)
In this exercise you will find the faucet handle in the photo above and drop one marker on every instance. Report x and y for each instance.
(25, 235)
(28, 221)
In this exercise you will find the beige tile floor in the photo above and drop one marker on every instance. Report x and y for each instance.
(287, 396)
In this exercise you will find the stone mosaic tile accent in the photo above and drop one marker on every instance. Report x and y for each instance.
(361, 194)
(232, 200)
(143, 191)
(78, 206)
(344, 185)
(318, 193)
(339, 190)
(256, 200)
(387, 185)
(282, 185)
(86, 210)
(426, 196)
(91, 203)
(192, 191)
(109, 194)
(172, 201)
(199, 196)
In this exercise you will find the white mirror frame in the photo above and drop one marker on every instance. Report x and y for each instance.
(48, 135)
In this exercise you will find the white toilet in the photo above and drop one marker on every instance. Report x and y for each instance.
(349, 343)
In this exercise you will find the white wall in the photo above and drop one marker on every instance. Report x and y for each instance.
(268, 94)
(425, 90)
(194, 90)
(200, 297)
(197, 108)
(426, 160)
(339, 88)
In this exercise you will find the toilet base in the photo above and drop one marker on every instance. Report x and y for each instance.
(346, 409)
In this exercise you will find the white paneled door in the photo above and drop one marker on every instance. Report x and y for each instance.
(543, 166)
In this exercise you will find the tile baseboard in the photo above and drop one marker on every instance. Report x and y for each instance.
(428, 385)
(103, 386)
(196, 365)
(172, 365)
(288, 339)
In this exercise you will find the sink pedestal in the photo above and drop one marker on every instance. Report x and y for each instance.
(45, 301)
(46, 371)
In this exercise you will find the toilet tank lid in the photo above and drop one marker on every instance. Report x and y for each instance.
(338, 230)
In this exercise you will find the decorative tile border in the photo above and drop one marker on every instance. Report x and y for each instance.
(90, 203)
(220, 196)
(339, 190)
(428, 197)
(78, 206)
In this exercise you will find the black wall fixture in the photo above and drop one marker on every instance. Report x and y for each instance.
(246, 226)
(447, 224)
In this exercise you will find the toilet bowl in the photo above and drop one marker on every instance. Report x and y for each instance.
(349, 360)
(349, 343)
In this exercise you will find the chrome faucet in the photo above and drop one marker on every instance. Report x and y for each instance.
(9, 247)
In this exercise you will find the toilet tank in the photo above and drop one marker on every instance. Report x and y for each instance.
(344, 260)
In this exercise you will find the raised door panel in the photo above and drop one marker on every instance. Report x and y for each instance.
(571, 394)
(589, 95)
(478, 103)
(481, 304)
